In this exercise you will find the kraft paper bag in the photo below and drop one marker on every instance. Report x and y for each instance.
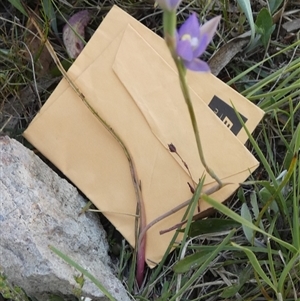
(128, 77)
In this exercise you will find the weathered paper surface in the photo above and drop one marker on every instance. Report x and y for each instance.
(127, 75)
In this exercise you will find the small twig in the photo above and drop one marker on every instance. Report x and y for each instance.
(192, 186)
(195, 217)
(33, 73)
(176, 209)
(173, 149)
(6, 123)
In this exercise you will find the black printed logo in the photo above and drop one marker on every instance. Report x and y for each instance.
(226, 114)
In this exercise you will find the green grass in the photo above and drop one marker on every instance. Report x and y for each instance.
(257, 256)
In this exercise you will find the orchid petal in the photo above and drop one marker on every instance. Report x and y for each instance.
(209, 28)
(184, 50)
(197, 65)
(192, 40)
(190, 26)
(202, 46)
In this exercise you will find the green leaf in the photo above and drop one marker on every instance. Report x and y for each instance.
(293, 262)
(193, 261)
(246, 8)
(268, 191)
(264, 21)
(294, 147)
(265, 194)
(211, 225)
(17, 4)
(225, 210)
(67, 259)
(50, 13)
(245, 213)
(254, 204)
(249, 233)
(274, 4)
(80, 280)
(256, 265)
(230, 291)
(241, 195)
(255, 209)
(165, 296)
(264, 26)
(297, 139)
(212, 255)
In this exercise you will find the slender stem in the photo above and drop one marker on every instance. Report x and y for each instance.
(186, 94)
(169, 25)
(174, 210)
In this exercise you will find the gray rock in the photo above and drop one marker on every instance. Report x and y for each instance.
(38, 209)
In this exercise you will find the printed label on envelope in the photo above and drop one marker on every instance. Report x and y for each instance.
(227, 114)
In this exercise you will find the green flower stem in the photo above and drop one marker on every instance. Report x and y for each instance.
(186, 94)
(169, 22)
(169, 25)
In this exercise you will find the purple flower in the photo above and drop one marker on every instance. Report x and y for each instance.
(192, 40)
(169, 5)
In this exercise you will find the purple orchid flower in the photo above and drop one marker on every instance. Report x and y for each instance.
(168, 5)
(192, 40)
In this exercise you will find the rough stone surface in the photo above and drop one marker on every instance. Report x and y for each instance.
(38, 209)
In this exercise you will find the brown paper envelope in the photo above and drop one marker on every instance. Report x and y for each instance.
(131, 86)
(212, 90)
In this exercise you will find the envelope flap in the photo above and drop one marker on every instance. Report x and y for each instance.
(215, 93)
(155, 89)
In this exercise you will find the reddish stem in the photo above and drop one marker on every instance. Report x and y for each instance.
(141, 245)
